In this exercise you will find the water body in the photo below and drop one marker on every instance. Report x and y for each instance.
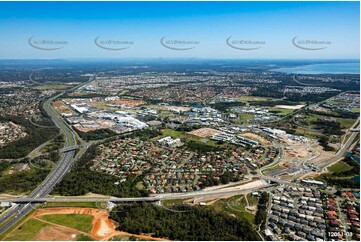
(196, 105)
(356, 179)
(356, 158)
(329, 68)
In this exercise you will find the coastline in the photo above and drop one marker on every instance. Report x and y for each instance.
(353, 68)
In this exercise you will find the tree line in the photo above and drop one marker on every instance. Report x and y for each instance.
(195, 224)
(82, 180)
(329, 127)
(35, 137)
(261, 214)
(96, 134)
(20, 181)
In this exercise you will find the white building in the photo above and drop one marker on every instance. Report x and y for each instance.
(79, 109)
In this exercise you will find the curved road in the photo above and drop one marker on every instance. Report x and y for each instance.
(67, 159)
(16, 213)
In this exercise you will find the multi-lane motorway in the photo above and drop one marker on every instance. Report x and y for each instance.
(157, 197)
(231, 190)
(69, 156)
(61, 168)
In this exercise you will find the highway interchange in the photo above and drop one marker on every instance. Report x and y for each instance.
(70, 155)
(62, 167)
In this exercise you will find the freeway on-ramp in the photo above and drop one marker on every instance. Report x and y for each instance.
(19, 211)
(70, 155)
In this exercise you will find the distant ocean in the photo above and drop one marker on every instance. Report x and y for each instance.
(356, 178)
(329, 68)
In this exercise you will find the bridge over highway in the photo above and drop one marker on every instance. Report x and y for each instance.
(62, 167)
(158, 197)
(70, 148)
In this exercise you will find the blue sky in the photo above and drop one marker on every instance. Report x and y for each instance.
(207, 23)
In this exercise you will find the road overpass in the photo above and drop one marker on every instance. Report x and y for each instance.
(62, 167)
(40, 194)
(70, 148)
(158, 197)
(341, 152)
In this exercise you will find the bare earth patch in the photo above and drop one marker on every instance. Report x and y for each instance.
(129, 102)
(56, 233)
(103, 227)
(293, 107)
(177, 108)
(256, 137)
(204, 132)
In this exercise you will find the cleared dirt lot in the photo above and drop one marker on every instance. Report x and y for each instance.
(56, 233)
(60, 107)
(103, 228)
(256, 137)
(204, 132)
(129, 102)
(293, 107)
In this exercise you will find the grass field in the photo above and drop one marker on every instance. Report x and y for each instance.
(244, 118)
(281, 111)
(83, 237)
(168, 203)
(27, 231)
(47, 148)
(307, 133)
(234, 206)
(251, 98)
(313, 117)
(334, 170)
(84, 95)
(124, 92)
(251, 200)
(103, 105)
(345, 122)
(71, 204)
(82, 222)
(335, 102)
(277, 166)
(139, 185)
(173, 133)
(339, 167)
(166, 114)
(356, 110)
(2, 236)
(52, 87)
